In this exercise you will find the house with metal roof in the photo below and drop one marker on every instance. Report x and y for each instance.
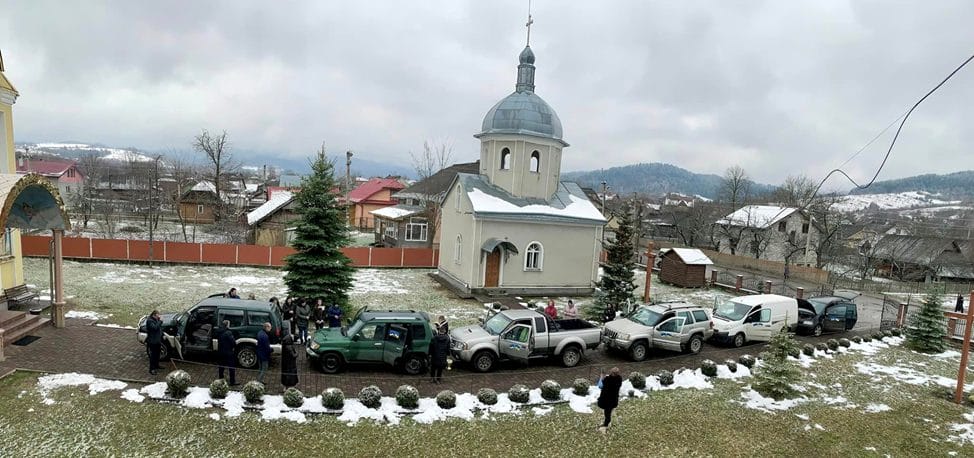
(272, 222)
(514, 227)
(368, 196)
(64, 175)
(771, 232)
(916, 258)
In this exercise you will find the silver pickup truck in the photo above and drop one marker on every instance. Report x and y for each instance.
(523, 335)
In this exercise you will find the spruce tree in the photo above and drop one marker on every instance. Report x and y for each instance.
(928, 326)
(319, 269)
(617, 282)
(776, 374)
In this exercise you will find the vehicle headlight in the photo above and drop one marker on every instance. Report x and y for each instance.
(314, 345)
(622, 336)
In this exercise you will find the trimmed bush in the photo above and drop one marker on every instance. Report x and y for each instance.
(333, 399)
(888, 333)
(665, 378)
(747, 361)
(550, 390)
(843, 342)
(581, 386)
(446, 399)
(794, 351)
(293, 398)
(821, 346)
(407, 396)
(877, 335)
(896, 332)
(370, 396)
(638, 380)
(970, 398)
(519, 393)
(253, 392)
(708, 368)
(808, 350)
(867, 338)
(857, 339)
(832, 344)
(177, 383)
(731, 365)
(219, 388)
(487, 396)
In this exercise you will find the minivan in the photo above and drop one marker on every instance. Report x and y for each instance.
(754, 318)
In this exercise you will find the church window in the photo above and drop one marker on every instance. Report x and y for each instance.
(536, 162)
(457, 250)
(534, 256)
(505, 159)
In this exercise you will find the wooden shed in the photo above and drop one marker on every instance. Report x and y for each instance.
(686, 267)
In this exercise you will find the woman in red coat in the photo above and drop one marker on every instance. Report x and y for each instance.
(550, 310)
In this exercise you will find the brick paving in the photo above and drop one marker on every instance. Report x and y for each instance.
(116, 354)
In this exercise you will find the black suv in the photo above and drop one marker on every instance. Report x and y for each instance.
(826, 314)
(194, 331)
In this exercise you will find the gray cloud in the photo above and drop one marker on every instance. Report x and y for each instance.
(777, 87)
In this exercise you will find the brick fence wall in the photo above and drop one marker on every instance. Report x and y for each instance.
(216, 253)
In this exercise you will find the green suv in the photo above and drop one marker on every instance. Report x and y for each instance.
(399, 338)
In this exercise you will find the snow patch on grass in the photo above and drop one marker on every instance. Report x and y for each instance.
(754, 400)
(133, 395)
(84, 315)
(876, 408)
(48, 383)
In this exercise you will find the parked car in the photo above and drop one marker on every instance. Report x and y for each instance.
(523, 335)
(826, 314)
(754, 318)
(399, 338)
(674, 326)
(194, 331)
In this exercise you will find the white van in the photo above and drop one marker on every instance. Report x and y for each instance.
(754, 318)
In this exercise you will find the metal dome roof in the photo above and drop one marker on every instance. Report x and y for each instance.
(522, 113)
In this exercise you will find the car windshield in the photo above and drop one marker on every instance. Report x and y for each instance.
(496, 324)
(355, 328)
(819, 306)
(645, 317)
(731, 310)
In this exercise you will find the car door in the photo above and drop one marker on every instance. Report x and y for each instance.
(760, 326)
(834, 320)
(851, 315)
(367, 344)
(517, 342)
(199, 329)
(394, 344)
(669, 333)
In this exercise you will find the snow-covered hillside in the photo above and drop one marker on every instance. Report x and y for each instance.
(75, 150)
(901, 200)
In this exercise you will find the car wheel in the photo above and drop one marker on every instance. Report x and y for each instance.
(739, 340)
(695, 344)
(330, 363)
(414, 365)
(247, 356)
(483, 361)
(570, 356)
(817, 331)
(638, 351)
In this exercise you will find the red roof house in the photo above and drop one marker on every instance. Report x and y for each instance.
(371, 195)
(63, 174)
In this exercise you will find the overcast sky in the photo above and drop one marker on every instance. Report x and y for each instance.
(778, 87)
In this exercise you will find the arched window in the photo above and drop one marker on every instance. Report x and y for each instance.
(505, 159)
(457, 250)
(534, 256)
(535, 161)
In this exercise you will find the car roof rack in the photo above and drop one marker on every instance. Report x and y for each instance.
(674, 304)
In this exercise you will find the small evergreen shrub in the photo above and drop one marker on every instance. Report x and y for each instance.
(731, 365)
(550, 390)
(581, 386)
(843, 342)
(857, 339)
(293, 398)
(333, 399)
(665, 377)
(446, 399)
(926, 332)
(867, 338)
(177, 383)
(747, 361)
(877, 335)
(638, 380)
(708, 368)
(487, 396)
(970, 398)
(795, 351)
(808, 350)
(407, 396)
(777, 375)
(896, 332)
(832, 344)
(370, 396)
(219, 388)
(519, 393)
(821, 346)
(887, 333)
(253, 392)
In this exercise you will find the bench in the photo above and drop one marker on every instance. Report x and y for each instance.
(19, 294)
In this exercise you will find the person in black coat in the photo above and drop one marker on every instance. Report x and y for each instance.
(438, 352)
(959, 306)
(289, 362)
(609, 397)
(153, 340)
(319, 314)
(287, 313)
(226, 348)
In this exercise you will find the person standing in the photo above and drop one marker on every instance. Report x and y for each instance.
(551, 310)
(289, 362)
(303, 313)
(263, 351)
(609, 397)
(959, 307)
(320, 315)
(287, 313)
(334, 316)
(232, 294)
(571, 312)
(226, 347)
(438, 352)
(153, 340)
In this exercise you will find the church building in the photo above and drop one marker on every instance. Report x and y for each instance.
(516, 228)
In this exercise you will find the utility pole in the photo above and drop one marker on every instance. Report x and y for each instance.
(605, 189)
(348, 184)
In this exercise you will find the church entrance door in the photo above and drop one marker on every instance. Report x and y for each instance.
(492, 274)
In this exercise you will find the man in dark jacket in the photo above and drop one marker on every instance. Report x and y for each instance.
(334, 315)
(438, 352)
(609, 397)
(153, 340)
(302, 313)
(226, 345)
(263, 351)
(319, 315)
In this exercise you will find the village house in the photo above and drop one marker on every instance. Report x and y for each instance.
(62, 174)
(199, 204)
(371, 195)
(915, 258)
(272, 223)
(514, 227)
(782, 234)
(686, 267)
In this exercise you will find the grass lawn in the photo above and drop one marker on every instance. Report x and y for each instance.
(850, 411)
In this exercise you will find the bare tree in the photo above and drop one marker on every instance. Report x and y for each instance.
(693, 225)
(796, 191)
(183, 175)
(432, 159)
(735, 188)
(108, 211)
(83, 202)
(216, 149)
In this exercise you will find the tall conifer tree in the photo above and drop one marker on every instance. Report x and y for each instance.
(618, 280)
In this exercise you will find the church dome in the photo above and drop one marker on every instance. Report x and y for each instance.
(522, 113)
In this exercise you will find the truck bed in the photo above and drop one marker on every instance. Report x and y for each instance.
(573, 324)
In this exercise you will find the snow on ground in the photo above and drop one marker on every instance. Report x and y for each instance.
(753, 400)
(48, 383)
(83, 315)
(891, 201)
(874, 408)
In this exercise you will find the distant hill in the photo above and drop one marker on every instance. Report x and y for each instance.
(952, 185)
(654, 179)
